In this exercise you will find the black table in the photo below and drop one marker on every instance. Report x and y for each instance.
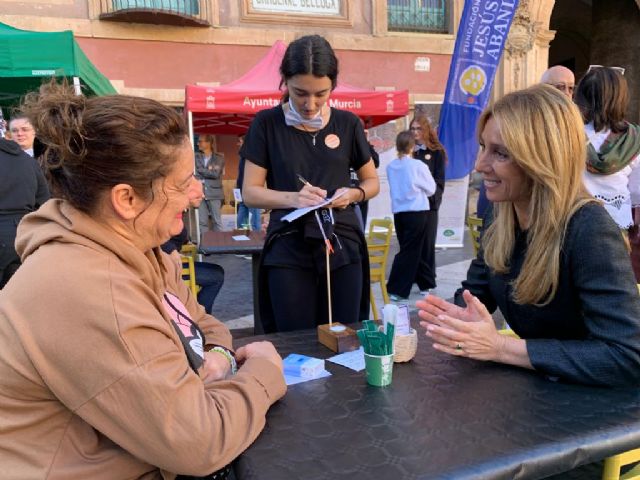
(221, 243)
(443, 417)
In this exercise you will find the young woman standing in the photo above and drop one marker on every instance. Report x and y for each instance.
(297, 154)
(410, 185)
(429, 149)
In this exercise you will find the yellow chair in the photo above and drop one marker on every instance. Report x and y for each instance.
(612, 466)
(189, 250)
(378, 243)
(475, 225)
(189, 273)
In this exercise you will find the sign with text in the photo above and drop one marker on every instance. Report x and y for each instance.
(305, 7)
(481, 37)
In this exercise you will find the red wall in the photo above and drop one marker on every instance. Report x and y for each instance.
(148, 64)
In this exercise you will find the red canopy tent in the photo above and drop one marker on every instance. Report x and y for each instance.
(229, 109)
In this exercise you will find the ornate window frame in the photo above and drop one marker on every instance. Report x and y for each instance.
(343, 19)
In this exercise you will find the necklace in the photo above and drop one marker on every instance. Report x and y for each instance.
(313, 134)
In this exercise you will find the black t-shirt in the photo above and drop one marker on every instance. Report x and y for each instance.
(286, 152)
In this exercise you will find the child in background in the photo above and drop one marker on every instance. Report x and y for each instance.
(410, 184)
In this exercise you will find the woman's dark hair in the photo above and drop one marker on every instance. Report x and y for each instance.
(310, 54)
(602, 96)
(404, 142)
(93, 144)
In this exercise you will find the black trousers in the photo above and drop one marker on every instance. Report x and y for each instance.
(299, 297)
(412, 263)
(9, 260)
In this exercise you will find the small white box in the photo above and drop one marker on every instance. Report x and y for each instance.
(303, 366)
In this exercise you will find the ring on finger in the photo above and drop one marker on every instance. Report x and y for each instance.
(458, 346)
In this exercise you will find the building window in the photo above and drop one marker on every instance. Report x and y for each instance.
(417, 16)
(181, 7)
(194, 13)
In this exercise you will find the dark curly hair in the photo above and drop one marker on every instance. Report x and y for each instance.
(92, 144)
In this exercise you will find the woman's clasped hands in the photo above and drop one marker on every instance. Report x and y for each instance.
(468, 332)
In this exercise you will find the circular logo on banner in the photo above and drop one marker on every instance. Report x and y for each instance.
(332, 141)
(473, 81)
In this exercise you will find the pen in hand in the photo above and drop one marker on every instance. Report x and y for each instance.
(304, 181)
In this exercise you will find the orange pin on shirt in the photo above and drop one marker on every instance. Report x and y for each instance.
(332, 141)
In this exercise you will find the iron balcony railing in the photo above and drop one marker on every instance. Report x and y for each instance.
(194, 12)
(417, 16)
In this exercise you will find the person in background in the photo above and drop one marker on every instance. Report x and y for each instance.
(245, 213)
(22, 132)
(429, 149)
(551, 259)
(411, 185)
(561, 78)
(303, 150)
(209, 276)
(209, 170)
(109, 368)
(23, 189)
(613, 153)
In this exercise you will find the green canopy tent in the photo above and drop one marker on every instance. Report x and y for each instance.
(27, 59)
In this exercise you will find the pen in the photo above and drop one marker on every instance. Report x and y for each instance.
(306, 182)
(302, 179)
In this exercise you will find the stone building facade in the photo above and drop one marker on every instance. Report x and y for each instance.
(146, 49)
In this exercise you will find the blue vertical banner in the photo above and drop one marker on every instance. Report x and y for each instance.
(482, 34)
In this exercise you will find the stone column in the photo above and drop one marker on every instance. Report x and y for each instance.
(526, 52)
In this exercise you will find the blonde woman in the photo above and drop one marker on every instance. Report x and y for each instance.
(552, 259)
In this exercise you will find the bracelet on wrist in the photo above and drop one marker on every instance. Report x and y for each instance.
(364, 195)
(230, 358)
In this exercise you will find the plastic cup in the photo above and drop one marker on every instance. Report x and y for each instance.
(379, 369)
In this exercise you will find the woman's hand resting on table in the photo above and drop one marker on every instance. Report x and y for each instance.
(216, 367)
(469, 332)
(264, 350)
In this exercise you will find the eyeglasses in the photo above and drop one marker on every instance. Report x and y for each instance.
(415, 128)
(21, 129)
(564, 87)
(620, 70)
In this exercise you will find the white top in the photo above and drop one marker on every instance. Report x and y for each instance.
(410, 185)
(618, 191)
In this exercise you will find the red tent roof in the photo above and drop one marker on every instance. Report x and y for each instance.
(229, 109)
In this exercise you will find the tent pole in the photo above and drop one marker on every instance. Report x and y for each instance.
(194, 216)
(76, 86)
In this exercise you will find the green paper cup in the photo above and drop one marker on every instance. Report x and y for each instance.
(379, 369)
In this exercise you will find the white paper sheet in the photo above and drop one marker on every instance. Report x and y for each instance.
(240, 238)
(353, 360)
(290, 217)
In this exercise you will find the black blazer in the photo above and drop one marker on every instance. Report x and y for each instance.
(590, 331)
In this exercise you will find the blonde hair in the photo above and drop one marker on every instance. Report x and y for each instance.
(543, 131)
